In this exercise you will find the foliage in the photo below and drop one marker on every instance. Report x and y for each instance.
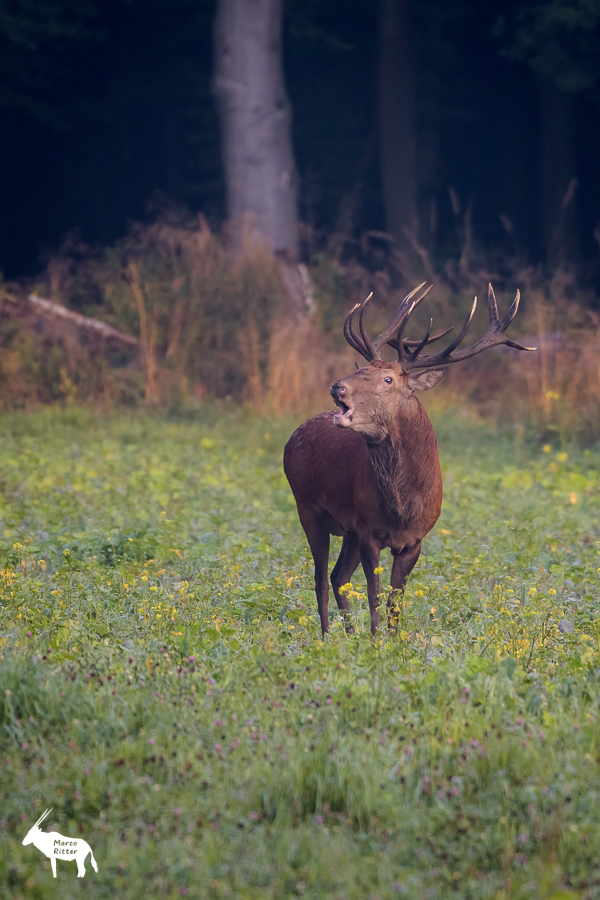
(558, 39)
(165, 689)
(30, 35)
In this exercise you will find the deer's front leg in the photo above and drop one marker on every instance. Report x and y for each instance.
(53, 864)
(404, 562)
(369, 557)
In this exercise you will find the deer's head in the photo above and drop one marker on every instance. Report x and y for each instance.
(372, 399)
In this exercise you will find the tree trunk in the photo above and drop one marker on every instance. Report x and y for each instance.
(397, 128)
(558, 176)
(255, 126)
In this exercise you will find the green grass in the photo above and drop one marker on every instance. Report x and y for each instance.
(164, 688)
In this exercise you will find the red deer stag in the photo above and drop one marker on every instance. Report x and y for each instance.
(370, 472)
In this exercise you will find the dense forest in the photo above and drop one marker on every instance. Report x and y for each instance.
(483, 119)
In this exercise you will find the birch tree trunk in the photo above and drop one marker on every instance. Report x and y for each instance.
(255, 120)
(397, 125)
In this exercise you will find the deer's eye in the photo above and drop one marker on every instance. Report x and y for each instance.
(388, 380)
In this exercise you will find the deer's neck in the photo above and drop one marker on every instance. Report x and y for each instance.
(406, 465)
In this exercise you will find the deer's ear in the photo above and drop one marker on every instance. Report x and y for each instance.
(425, 380)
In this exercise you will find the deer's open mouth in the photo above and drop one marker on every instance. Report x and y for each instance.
(344, 417)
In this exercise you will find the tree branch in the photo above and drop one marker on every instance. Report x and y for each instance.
(53, 310)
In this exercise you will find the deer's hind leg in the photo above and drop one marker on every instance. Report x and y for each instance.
(344, 569)
(317, 533)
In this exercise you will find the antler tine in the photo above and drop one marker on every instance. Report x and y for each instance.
(374, 354)
(512, 311)
(411, 344)
(492, 305)
(517, 346)
(422, 343)
(460, 337)
(402, 354)
(349, 333)
(400, 348)
(361, 343)
(397, 318)
(508, 319)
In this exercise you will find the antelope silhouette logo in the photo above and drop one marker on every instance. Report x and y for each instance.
(57, 846)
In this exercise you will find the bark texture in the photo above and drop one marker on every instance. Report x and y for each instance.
(397, 128)
(255, 125)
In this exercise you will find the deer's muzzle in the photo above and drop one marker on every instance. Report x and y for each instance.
(344, 417)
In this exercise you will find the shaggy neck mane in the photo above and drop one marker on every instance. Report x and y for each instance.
(404, 463)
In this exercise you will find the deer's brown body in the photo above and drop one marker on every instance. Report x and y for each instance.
(370, 472)
(374, 495)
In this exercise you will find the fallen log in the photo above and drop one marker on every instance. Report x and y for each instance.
(50, 309)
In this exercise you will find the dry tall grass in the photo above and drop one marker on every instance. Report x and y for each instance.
(210, 328)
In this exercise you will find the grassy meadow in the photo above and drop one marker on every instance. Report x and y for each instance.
(165, 689)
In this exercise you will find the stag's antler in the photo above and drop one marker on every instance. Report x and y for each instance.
(408, 351)
(370, 349)
(493, 337)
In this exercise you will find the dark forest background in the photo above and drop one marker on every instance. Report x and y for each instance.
(108, 115)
